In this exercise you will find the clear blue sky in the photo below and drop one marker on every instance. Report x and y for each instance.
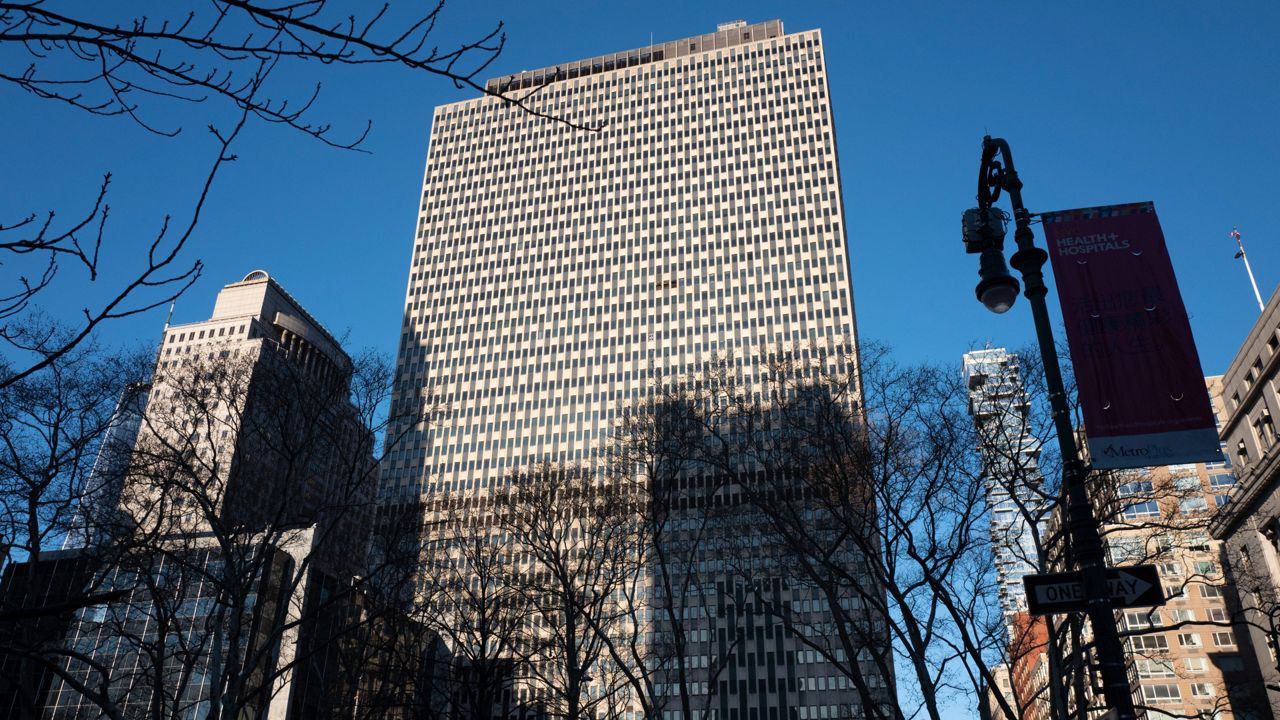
(1174, 102)
(1103, 102)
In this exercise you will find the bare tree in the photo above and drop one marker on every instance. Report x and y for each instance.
(53, 444)
(575, 535)
(868, 487)
(250, 493)
(475, 601)
(53, 427)
(211, 65)
(668, 450)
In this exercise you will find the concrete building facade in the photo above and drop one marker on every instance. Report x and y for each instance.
(559, 273)
(255, 403)
(683, 208)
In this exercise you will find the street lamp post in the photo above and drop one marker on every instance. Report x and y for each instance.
(984, 233)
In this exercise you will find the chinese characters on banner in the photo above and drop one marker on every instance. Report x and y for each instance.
(1139, 377)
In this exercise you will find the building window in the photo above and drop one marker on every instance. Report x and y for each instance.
(1136, 621)
(1146, 508)
(1137, 487)
(1265, 429)
(1195, 664)
(1189, 640)
(1162, 694)
(1221, 480)
(1192, 505)
(1225, 638)
(1202, 690)
(1126, 550)
(1188, 482)
(1148, 668)
(1197, 542)
(1148, 643)
(1141, 619)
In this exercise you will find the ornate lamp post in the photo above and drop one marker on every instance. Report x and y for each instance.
(984, 234)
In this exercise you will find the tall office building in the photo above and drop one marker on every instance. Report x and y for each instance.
(558, 274)
(99, 514)
(239, 485)
(258, 400)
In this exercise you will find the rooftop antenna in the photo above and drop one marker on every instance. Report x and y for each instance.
(1235, 233)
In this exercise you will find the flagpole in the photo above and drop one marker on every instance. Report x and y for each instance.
(1235, 233)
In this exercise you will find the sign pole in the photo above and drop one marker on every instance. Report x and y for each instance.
(1235, 233)
(1086, 540)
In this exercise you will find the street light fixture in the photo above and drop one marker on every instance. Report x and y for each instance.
(984, 230)
(984, 234)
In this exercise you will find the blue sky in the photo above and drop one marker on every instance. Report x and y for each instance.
(1103, 102)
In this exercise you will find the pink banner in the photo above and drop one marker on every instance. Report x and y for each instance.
(1141, 386)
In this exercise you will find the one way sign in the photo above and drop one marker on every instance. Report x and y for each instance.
(1135, 586)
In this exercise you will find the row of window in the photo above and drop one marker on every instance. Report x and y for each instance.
(1157, 643)
(1143, 619)
(1169, 693)
(1166, 668)
(507, 288)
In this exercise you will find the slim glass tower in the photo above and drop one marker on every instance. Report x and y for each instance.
(559, 273)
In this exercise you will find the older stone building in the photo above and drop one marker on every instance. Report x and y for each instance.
(239, 492)
(1249, 524)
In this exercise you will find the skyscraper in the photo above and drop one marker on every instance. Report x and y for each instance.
(1014, 492)
(1010, 454)
(235, 491)
(559, 273)
(276, 436)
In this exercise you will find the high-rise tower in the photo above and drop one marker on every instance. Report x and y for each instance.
(1010, 453)
(559, 273)
(998, 403)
